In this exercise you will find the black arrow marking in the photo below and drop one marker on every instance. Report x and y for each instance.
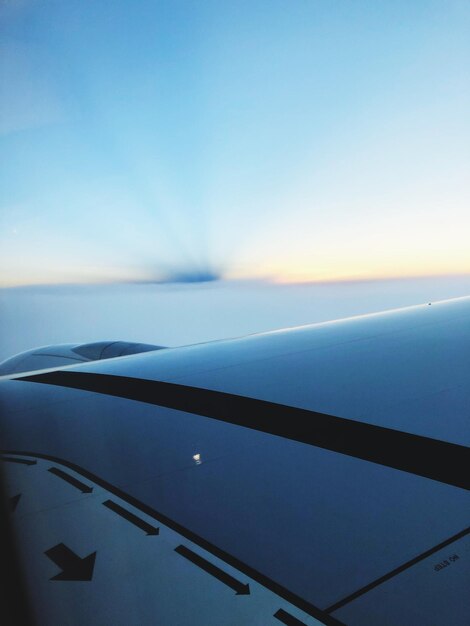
(130, 517)
(12, 459)
(239, 588)
(287, 618)
(73, 567)
(70, 479)
(14, 502)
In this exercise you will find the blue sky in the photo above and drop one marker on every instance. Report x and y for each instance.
(294, 139)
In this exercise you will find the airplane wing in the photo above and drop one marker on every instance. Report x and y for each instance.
(316, 475)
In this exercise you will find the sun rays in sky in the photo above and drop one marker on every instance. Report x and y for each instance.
(191, 140)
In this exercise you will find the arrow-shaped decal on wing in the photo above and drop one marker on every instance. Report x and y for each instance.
(240, 588)
(73, 567)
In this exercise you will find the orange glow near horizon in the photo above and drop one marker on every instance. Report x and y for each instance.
(288, 274)
(355, 269)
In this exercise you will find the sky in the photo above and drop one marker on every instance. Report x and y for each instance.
(293, 140)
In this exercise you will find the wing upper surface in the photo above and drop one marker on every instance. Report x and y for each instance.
(407, 369)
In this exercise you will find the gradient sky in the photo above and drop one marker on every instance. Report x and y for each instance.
(294, 139)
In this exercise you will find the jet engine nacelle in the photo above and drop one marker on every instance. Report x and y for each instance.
(70, 354)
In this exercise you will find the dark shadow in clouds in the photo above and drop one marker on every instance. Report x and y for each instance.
(203, 276)
(189, 274)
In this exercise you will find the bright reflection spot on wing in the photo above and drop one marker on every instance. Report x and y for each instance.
(197, 458)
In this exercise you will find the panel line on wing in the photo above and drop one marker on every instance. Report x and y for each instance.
(398, 570)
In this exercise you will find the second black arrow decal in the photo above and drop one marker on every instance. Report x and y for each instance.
(71, 480)
(73, 567)
(130, 517)
(288, 619)
(239, 588)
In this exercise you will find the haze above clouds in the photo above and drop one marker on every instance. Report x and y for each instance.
(180, 314)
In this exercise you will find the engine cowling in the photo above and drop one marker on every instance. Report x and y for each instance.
(70, 354)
